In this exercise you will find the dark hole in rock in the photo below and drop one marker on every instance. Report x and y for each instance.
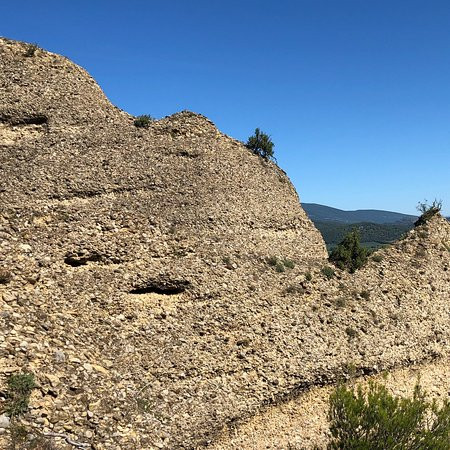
(34, 119)
(77, 261)
(162, 287)
(187, 154)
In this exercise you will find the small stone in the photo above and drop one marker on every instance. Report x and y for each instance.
(60, 356)
(53, 379)
(4, 421)
(100, 369)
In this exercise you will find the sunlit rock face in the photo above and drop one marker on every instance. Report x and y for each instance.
(155, 279)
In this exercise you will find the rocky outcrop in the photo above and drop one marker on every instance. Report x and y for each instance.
(138, 284)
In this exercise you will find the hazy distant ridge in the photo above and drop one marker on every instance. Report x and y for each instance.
(324, 213)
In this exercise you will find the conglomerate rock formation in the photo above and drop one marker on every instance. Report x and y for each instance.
(135, 275)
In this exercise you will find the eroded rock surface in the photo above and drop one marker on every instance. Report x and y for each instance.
(137, 286)
(302, 423)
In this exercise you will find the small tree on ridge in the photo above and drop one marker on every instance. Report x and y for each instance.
(427, 211)
(261, 144)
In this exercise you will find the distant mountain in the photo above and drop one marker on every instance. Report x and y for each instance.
(322, 213)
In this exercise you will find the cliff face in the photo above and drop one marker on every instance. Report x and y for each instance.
(138, 287)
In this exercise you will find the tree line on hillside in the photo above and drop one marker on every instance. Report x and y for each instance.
(371, 234)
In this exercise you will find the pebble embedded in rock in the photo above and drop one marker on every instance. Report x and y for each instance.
(4, 421)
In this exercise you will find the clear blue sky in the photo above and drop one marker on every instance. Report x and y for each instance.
(355, 93)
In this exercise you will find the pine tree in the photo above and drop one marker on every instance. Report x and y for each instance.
(261, 144)
(349, 254)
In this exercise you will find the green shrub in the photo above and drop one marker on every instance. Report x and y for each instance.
(144, 405)
(272, 261)
(308, 276)
(327, 271)
(280, 264)
(143, 121)
(427, 211)
(351, 332)
(31, 50)
(349, 254)
(377, 258)
(18, 393)
(373, 419)
(261, 144)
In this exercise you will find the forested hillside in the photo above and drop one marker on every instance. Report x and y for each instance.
(373, 235)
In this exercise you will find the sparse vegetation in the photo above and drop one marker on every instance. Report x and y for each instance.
(24, 438)
(227, 260)
(280, 265)
(31, 50)
(365, 294)
(261, 144)
(28, 438)
(377, 257)
(327, 271)
(351, 332)
(272, 260)
(349, 254)
(308, 276)
(18, 393)
(144, 405)
(374, 419)
(143, 121)
(427, 211)
(288, 263)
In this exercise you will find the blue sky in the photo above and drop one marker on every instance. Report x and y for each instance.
(355, 93)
